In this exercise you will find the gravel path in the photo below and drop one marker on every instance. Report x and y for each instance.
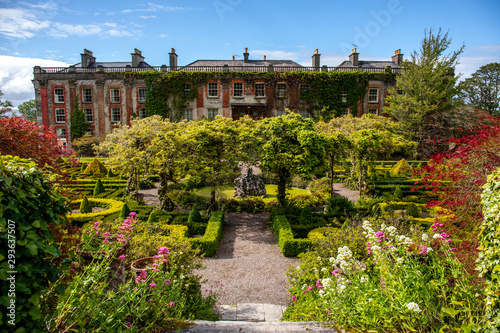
(340, 189)
(150, 195)
(249, 263)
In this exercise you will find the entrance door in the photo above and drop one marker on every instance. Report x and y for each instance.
(254, 111)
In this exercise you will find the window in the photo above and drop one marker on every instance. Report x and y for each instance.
(61, 133)
(344, 95)
(345, 112)
(260, 90)
(89, 115)
(401, 92)
(212, 113)
(213, 89)
(86, 95)
(60, 116)
(373, 95)
(90, 131)
(373, 110)
(116, 115)
(280, 112)
(142, 95)
(187, 88)
(58, 95)
(304, 113)
(281, 89)
(114, 95)
(238, 89)
(188, 114)
(304, 88)
(142, 113)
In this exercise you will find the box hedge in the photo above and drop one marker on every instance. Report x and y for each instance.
(112, 207)
(290, 247)
(209, 243)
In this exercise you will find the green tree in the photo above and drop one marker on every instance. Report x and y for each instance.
(28, 109)
(427, 83)
(289, 145)
(78, 125)
(482, 90)
(5, 106)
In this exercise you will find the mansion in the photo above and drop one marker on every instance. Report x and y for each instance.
(109, 95)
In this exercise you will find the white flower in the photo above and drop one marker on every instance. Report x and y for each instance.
(425, 237)
(321, 293)
(324, 270)
(414, 307)
(332, 260)
(370, 299)
(435, 236)
(364, 279)
(400, 260)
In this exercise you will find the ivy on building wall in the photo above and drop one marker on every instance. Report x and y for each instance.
(167, 95)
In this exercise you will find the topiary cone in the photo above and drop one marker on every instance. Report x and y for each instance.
(125, 211)
(85, 206)
(99, 188)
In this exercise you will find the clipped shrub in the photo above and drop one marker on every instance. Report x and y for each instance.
(402, 168)
(158, 215)
(99, 188)
(412, 210)
(96, 168)
(290, 247)
(110, 173)
(124, 211)
(387, 174)
(398, 192)
(73, 177)
(306, 216)
(112, 207)
(85, 206)
(339, 205)
(82, 167)
(195, 216)
(209, 243)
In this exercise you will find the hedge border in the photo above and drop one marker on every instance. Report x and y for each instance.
(290, 247)
(209, 243)
(113, 206)
(444, 215)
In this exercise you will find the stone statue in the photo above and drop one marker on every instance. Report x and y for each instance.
(248, 185)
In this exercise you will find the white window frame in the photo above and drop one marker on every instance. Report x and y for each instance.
(258, 91)
(188, 114)
(90, 131)
(373, 97)
(213, 89)
(60, 112)
(210, 113)
(114, 118)
(58, 95)
(141, 95)
(89, 116)
(304, 114)
(370, 110)
(345, 112)
(142, 113)
(187, 88)
(344, 95)
(238, 92)
(114, 95)
(282, 92)
(86, 95)
(60, 132)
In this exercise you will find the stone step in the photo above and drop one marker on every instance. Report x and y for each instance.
(252, 326)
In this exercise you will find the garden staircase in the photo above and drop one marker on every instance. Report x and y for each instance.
(254, 317)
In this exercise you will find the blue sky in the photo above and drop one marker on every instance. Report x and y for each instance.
(54, 33)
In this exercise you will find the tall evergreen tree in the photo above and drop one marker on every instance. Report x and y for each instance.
(78, 124)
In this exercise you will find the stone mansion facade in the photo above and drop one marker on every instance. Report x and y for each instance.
(109, 97)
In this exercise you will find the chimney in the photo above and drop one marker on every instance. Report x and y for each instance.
(173, 59)
(265, 58)
(234, 58)
(245, 55)
(315, 60)
(137, 58)
(398, 57)
(353, 58)
(87, 58)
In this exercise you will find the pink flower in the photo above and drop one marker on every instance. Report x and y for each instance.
(452, 249)
(152, 285)
(294, 298)
(129, 324)
(171, 304)
(424, 250)
(122, 257)
(335, 272)
(318, 284)
(380, 234)
(163, 250)
(151, 300)
(132, 215)
(167, 281)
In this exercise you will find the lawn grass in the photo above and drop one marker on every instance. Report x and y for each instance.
(227, 192)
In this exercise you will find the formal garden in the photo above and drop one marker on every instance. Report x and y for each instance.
(419, 250)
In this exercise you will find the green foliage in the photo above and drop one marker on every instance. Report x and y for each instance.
(112, 207)
(327, 240)
(387, 174)
(84, 146)
(209, 244)
(195, 216)
(157, 215)
(110, 173)
(306, 216)
(28, 109)
(412, 210)
(402, 168)
(398, 192)
(78, 126)
(125, 211)
(339, 205)
(488, 263)
(96, 168)
(29, 210)
(99, 188)
(290, 247)
(85, 206)
(83, 166)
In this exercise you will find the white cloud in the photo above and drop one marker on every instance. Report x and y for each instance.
(477, 56)
(152, 7)
(146, 17)
(16, 74)
(19, 23)
(81, 30)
